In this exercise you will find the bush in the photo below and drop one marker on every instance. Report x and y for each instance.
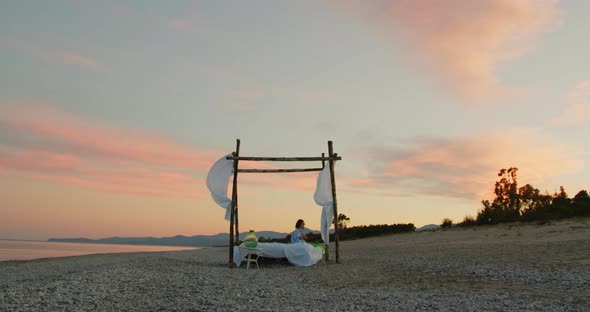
(446, 223)
(467, 221)
(363, 231)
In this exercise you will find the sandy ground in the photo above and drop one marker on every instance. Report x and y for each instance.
(496, 268)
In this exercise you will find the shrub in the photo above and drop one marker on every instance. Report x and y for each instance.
(446, 223)
(467, 221)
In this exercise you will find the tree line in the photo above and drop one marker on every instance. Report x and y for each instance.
(350, 233)
(525, 204)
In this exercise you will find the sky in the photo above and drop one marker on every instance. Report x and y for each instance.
(113, 112)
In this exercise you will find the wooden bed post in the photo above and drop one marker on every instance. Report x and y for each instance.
(335, 203)
(234, 210)
(326, 244)
(235, 194)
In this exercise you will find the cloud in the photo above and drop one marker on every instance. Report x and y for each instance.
(464, 167)
(578, 112)
(464, 42)
(43, 143)
(102, 8)
(181, 24)
(254, 96)
(52, 55)
(78, 59)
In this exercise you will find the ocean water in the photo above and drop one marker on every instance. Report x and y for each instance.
(28, 250)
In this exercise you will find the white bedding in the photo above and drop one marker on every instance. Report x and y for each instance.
(299, 254)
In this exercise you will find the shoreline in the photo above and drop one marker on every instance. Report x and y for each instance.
(522, 267)
(129, 253)
(95, 243)
(12, 250)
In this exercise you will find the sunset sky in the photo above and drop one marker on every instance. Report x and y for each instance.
(112, 112)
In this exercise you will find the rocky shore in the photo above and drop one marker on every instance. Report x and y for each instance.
(498, 268)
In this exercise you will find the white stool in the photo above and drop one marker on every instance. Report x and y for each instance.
(253, 255)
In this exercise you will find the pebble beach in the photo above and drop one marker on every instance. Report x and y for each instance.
(516, 267)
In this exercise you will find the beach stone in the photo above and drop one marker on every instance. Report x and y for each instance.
(487, 268)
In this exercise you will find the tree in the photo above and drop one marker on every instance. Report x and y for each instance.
(467, 221)
(529, 197)
(507, 198)
(506, 205)
(581, 204)
(534, 205)
(560, 205)
(342, 220)
(446, 223)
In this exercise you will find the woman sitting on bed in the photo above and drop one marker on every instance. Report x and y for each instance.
(297, 235)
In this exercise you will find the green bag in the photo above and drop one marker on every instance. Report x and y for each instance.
(251, 240)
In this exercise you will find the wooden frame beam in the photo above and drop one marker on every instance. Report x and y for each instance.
(334, 157)
(279, 170)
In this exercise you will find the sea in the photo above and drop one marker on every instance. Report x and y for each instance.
(29, 250)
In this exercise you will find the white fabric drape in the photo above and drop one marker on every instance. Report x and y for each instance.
(323, 197)
(299, 254)
(217, 182)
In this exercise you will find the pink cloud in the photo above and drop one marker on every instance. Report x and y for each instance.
(578, 111)
(38, 160)
(181, 24)
(464, 42)
(74, 151)
(55, 55)
(104, 141)
(465, 167)
(52, 145)
(80, 60)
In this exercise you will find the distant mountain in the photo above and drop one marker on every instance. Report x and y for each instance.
(428, 227)
(178, 240)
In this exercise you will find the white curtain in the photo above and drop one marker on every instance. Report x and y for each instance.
(323, 197)
(217, 182)
(299, 254)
